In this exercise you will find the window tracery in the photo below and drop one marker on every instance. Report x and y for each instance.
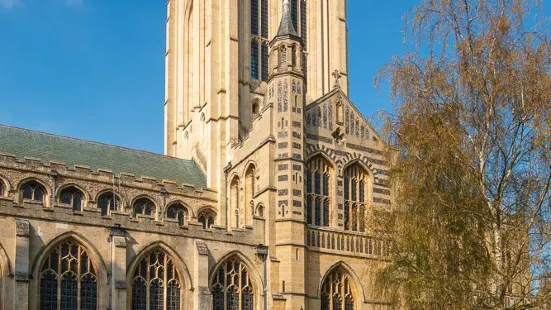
(355, 186)
(68, 279)
(336, 291)
(318, 188)
(32, 190)
(73, 197)
(232, 287)
(179, 212)
(156, 283)
(206, 218)
(143, 206)
(108, 202)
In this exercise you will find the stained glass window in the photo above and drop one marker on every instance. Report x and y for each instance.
(355, 186)
(33, 190)
(336, 291)
(108, 202)
(156, 283)
(177, 211)
(318, 186)
(73, 197)
(143, 206)
(68, 279)
(232, 287)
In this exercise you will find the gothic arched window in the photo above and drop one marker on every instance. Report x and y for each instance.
(68, 279)
(32, 190)
(108, 202)
(318, 189)
(232, 287)
(177, 211)
(355, 187)
(206, 218)
(143, 206)
(336, 291)
(259, 40)
(156, 283)
(72, 196)
(234, 203)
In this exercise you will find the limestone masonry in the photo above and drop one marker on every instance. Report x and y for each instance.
(264, 199)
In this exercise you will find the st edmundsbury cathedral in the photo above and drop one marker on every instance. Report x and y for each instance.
(263, 199)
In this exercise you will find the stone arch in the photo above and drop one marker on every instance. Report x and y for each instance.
(86, 194)
(95, 257)
(186, 295)
(361, 162)
(203, 215)
(5, 273)
(356, 283)
(178, 261)
(7, 185)
(121, 202)
(144, 196)
(260, 210)
(257, 282)
(249, 191)
(323, 154)
(47, 189)
(234, 204)
(179, 201)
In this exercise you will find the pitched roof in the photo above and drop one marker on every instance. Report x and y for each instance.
(47, 147)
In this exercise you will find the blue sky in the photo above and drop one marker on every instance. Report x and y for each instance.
(94, 69)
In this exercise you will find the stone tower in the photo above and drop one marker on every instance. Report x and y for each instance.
(286, 96)
(217, 69)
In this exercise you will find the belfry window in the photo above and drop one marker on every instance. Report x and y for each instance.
(143, 206)
(178, 212)
(232, 287)
(32, 190)
(355, 185)
(318, 189)
(2, 188)
(336, 291)
(68, 279)
(156, 284)
(108, 202)
(259, 40)
(73, 197)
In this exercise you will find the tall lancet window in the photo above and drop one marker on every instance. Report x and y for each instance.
(318, 188)
(299, 16)
(355, 197)
(259, 40)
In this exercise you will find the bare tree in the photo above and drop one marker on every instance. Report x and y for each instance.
(470, 224)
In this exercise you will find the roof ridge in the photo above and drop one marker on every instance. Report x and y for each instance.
(91, 142)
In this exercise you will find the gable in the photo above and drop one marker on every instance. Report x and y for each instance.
(335, 111)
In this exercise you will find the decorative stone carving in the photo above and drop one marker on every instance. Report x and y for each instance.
(23, 228)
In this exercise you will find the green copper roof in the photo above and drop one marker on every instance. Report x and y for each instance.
(47, 147)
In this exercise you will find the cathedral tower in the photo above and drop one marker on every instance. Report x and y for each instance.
(217, 68)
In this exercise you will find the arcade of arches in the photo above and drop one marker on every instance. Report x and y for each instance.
(68, 279)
